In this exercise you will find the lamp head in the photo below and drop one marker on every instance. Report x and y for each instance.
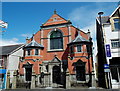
(100, 13)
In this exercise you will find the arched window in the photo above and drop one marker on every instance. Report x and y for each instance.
(56, 40)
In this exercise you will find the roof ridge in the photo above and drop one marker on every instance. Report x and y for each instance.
(11, 45)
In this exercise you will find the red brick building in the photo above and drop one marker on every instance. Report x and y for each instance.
(57, 48)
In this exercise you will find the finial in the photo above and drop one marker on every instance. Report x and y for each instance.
(68, 20)
(55, 12)
(88, 31)
(27, 38)
(33, 37)
(89, 34)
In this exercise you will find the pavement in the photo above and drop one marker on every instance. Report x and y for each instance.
(62, 89)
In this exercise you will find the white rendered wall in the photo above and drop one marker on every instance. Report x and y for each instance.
(108, 36)
(13, 61)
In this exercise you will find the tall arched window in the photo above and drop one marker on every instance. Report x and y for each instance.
(56, 40)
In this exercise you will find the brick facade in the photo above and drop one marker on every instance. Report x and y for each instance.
(69, 33)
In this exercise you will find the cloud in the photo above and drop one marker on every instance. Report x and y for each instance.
(26, 35)
(85, 18)
(13, 41)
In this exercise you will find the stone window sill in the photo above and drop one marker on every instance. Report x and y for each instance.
(55, 50)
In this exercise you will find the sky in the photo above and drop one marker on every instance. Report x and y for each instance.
(25, 18)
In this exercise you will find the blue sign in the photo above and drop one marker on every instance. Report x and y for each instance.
(106, 66)
(108, 52)
(2, 71)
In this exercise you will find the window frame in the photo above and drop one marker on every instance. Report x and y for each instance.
(37, 51)
(116, 22)
(115, 42)
(77, 48)
(112, 23)
(28, 52)
(55, 38)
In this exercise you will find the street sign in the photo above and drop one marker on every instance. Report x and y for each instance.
(108, 52)
(2, 71)
(106, 68)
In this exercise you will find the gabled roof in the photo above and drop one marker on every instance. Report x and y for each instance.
(54, 20)
(55, 59)
(34, 44)
(78, 39)
(104, 19)
(5, 50)
(115, 12)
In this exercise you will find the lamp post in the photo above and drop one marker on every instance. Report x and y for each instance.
(102, 76)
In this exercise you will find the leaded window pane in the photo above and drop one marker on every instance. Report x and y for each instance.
(56, 40)
(36, 51)
(79, 48)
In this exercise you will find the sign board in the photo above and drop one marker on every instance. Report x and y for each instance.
(106, 68)
(2, 71)
(108, 52)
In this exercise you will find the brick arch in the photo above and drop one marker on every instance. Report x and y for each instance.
(49, 34)
(55, 29)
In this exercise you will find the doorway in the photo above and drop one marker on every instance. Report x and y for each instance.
(28, 73)
(80, 73)
(80, 70)
(56, 74)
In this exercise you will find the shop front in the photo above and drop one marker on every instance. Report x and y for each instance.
(2, 78)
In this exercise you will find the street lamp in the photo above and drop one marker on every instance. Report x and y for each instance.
(102, 76)
(100, 14)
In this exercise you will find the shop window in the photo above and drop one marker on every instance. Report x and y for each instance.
(115, 70)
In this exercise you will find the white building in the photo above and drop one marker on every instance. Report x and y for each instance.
(111, 38)
(9, 60)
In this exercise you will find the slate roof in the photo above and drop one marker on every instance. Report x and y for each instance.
(33, 43)
(104, 19)
(78, 39)
(5, 50)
